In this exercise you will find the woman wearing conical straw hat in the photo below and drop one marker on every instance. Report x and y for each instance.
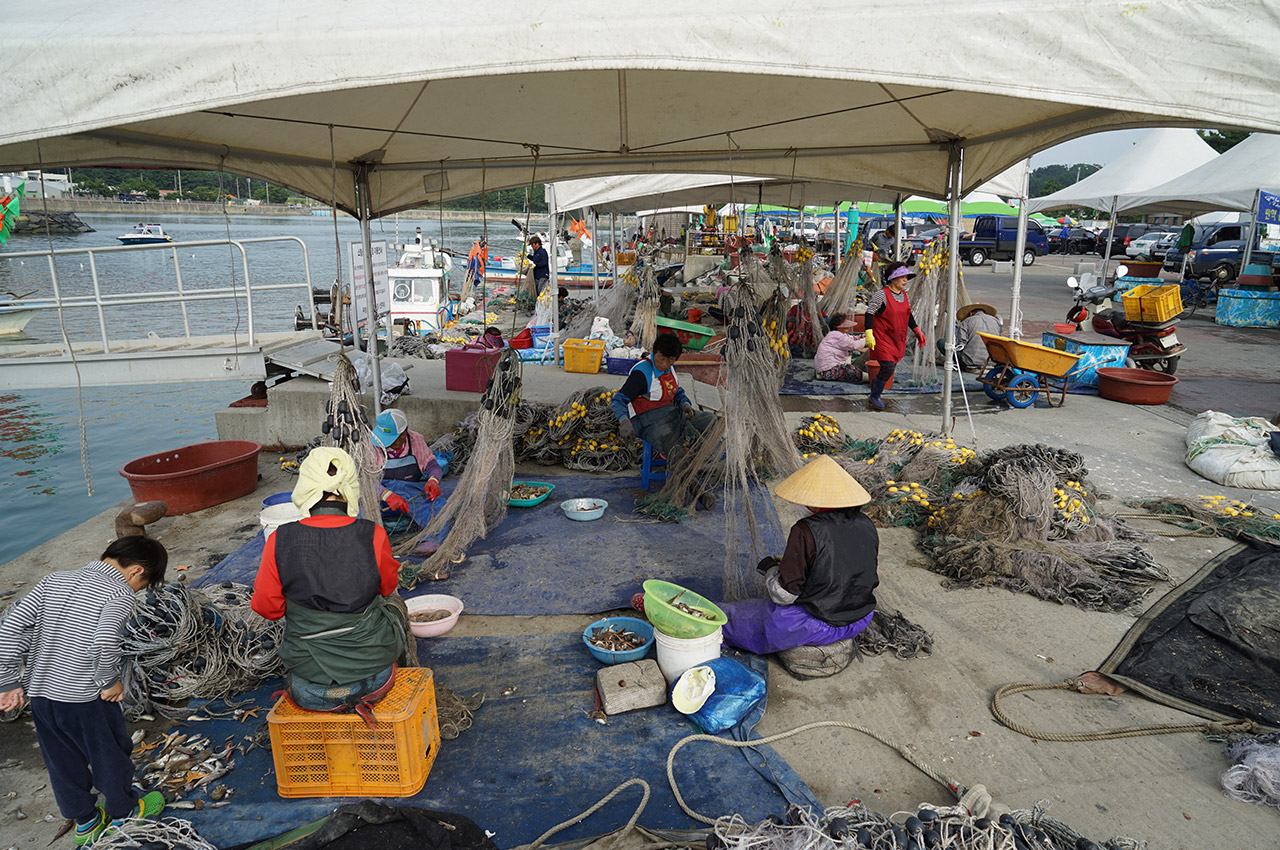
(822, 588)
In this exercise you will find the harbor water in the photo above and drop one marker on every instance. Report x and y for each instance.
(43, 488)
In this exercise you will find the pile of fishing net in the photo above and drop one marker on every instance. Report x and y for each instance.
(479, 501)
(579, 433)
(1254, 775)
(1024, 517)
(203, 643)
(1219, 515)
(952, 828)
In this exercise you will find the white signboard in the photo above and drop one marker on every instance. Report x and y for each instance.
(378, 252)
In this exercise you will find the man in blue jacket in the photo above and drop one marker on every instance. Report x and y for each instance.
(541, 264)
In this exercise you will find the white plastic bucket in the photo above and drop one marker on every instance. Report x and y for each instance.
(274, 516)
(675, 655)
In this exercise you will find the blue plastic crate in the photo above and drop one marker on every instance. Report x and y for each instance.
(620, 365)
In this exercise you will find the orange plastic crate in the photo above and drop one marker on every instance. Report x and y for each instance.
(318, 754)
(583, 355)
(1148, 303)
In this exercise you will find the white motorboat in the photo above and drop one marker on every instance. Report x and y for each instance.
(418, 285)
(145, 234)
(15, 313)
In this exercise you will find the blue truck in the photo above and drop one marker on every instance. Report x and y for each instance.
(995, 237)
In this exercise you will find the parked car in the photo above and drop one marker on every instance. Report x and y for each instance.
(1126, 233)
(917, 242)
(1162, 247)
(1144, 246)
(1081, 241)
(810, 231)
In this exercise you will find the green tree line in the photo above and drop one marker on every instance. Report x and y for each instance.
(207, 186)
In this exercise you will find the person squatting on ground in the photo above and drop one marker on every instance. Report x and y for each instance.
(971, 320)
(822, 589)
(831, 362)
(333, 579)
(407, 458)
(891, 319)
(652, 406)
(67, 634)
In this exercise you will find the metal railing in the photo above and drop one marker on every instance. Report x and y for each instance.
(180, 296)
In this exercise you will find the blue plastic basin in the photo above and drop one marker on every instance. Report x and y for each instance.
(631, 624)
(277, 499)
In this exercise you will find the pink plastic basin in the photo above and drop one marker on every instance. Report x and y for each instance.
(195, 477)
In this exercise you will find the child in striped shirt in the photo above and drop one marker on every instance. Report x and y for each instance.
(66, 634)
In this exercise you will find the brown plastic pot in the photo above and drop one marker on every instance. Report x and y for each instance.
(1134, 386)
(873, 367)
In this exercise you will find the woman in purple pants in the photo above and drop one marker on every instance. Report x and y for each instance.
(822, 589)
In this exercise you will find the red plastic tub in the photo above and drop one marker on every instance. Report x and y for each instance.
(1134, 386)
(195, 477)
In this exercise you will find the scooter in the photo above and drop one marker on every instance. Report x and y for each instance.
(1153, 345)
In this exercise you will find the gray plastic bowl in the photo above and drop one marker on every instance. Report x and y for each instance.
(583, 510)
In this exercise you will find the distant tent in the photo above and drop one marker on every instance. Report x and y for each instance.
(1227, 182)
(1161, 155)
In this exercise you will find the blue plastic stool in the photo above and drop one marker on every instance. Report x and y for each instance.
(647, 464)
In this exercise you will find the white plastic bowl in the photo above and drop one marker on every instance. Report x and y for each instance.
(429, 602)
(274, 516)
(583, 510)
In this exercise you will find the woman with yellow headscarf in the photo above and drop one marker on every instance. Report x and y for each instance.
(332, 577)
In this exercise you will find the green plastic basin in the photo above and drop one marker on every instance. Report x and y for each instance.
(674, 622)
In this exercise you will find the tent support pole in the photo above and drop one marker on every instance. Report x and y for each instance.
(956, 174)
(595, 258)
(370, 289)
(1251, 235)
(836, 216)
(553, 282)
(897, 228)
(1015, 303)
(613, 248)
(1111, 238)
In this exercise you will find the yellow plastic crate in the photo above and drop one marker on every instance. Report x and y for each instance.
(583, 355)
(318, 754)
(1149, 303)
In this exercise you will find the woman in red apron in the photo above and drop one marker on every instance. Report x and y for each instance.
(890, 320)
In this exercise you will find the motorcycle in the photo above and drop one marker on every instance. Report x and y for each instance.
(1152, 345)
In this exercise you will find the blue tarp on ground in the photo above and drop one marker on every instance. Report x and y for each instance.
(800, 381)
(532, 759)
(538, 561)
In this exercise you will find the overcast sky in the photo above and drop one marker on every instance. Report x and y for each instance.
(1099, 148)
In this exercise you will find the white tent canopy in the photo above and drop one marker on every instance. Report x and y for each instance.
(629, 192)
(1228, 182)
(1158, 156)
(307, 95)
(1009, 183)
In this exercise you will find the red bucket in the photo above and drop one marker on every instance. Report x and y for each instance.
(695, 315)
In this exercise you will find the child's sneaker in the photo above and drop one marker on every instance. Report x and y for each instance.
(150, 805)
(88, 832)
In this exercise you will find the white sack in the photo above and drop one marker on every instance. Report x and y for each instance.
(1233, 452)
